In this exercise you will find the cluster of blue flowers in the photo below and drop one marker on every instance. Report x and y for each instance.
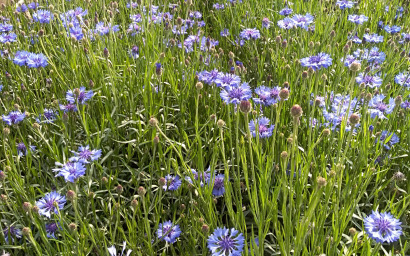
(32, 60)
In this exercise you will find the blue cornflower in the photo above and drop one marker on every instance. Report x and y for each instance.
(226, 79)
(286, 11)
(264, 96)
(8, 38)
(250, 33)
(134, 29)
(403, 79)
(368, 80)
(218, 185)
(357, 19)
(372, 55)
(137, 18)
(225, 242)
(355, 39)
(76, 33)
(113, 252)
(81, 96)
(47, 205)
(172, 182)
(52, 228)
(266, 23)
(33, 5)
(224, 32)
(11, 232)
(405, 38)
(322, 60)
(202, 177)
(43, 16)
(1, 87)
(372, 38)
(392, 29)
(405, 105)
(101, 29)
(14, 117)
(22, 149)
(209, 77)
(85, 155)
(378, 108)
(22, 8)
(71, 171)
(135, 52)
(236, 94)
(168, 232)
(286, 23)
(303, 21)
(218, 6)
(69, 107)
(341, 107)
(343, 4)
(388, 139)
(20, 58)
(5, 27)
(382, 227)
(37, 60)
(264, 129)
(132, 5)
(349, 60)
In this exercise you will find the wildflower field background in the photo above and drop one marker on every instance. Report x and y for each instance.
(231, 127)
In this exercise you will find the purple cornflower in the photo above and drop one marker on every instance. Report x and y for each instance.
(225, 79)
(264, 96)
(48, 203)
(22, 8)
(202, 177)
(22, 149)
(52, 228)
(266, 23)
(37, 60)
(405, 38)
(225, 242)
(405, 105)
(286, 23)
(113, 252)
(134, 29)
(382, 227)
(11, 232)
(286, 11)
(392, 29)
(403, 79)
(209, 77)
(343, 4)
(43, 16)
(79, 95)
(132, 5)
(250, 33)
(218, 6)
(168, 232)
(372, 38)
(368, 80)
(388, 139)
(14, 117)
(135, 52)
(322, 60)
(303, 21)
(33, 5)
(218, 185)
(349, 60)
(172, 182)
(85, 155)
(372, 55)
(20, 58)
(236, 94)
(71, 171)
(69, 107)
(261, 126)
(357, 19)
(5, 27)
(158, 68)
(378, 108)
(8, 38)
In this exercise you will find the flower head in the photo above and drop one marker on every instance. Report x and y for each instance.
(357, 19)
(113, 252)
(203, 177)
(218, 185)
(343, 4)
(236, 94)
(11, 232)
(36, 60)
(168, 232)
(286, 23)
(22, 149)
(172, 182)
(392, 29)
(369, 80)
(261, 126)
(50, 202)
(79, 95)
(71, 171)
(403, 79)
(226, 242)
(286, 11)
(43, 16)
(14, 117)
(378, 108)
(388, 139)
(52, 228)
(86, 155)
(382, 227)
(322, 60)
(250, 33)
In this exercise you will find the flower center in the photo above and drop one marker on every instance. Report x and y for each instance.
(227, 244)
(263, 128)
(236, 93)
(381, 106)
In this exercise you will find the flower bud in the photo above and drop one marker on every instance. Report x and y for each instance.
(27, 206)
(72, 226)
(220, 123)
(284, 154)
(326, 132)
(119, 189)
(354, 119)
(162, 181)
(284, 94)
(352, 231)
(296, 111)
(141, 191)
(134, 204)
(153, 122)
(26, 231)
(205, 229)
(245, 106)
(71, 195)
(321, 181)
(398, 100)
(355, 66)
(199, 86)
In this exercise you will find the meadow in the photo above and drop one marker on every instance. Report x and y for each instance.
(213, 127)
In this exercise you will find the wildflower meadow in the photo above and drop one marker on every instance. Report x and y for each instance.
(212, 127)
